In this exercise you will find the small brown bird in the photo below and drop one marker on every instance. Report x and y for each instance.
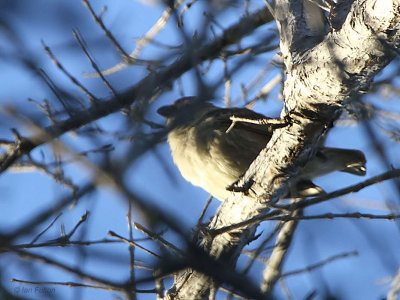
(212, 157)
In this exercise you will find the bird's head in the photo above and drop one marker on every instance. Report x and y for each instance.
(184, 111)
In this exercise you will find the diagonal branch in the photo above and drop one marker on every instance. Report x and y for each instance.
(321, 78)
(146, 89)
(273, 269)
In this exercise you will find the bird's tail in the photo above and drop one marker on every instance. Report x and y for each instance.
(326, 160)
(349, 161)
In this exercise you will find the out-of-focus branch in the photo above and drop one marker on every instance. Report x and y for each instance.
(69, 284)
(146, 89)
(351, 189)
(132, 243)
(31, 224)
(159, 239)
(330, 216)
(131, 296)
(132, 58)
(276, 214)
(320, 263)
(76, 271)
(58, 243)
(273, 268)
(395, 290)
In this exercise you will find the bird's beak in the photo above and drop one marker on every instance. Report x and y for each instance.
(166, 111)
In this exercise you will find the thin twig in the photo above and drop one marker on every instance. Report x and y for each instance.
(112, 233)
(184, 10)
(45, 214)
(47, 228)
(260, 249)
(81, 221)
(72, 78)
(304, 203)
(80, 40)
(228, 84)
(266, 89)
(155, 29)
(274, 216)
(351, 189)
(264, 121)
(69, 284)
(132, 296)
(56, 91)
(46, 108)
(128, 59)
(320, 263)
(328, 216)
(109, 35)
(58, 243)
(57, 175)
(76, 271)
(272, 271)
(203, 212)
(254, 83)
(158, 238)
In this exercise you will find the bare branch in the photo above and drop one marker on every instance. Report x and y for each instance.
(321, 263)
(69, 284)
(112, 233)
(80, 40)
(329, 216)
(158, 238)
(272, 272)
(108, 34)
(59, 243)
(146, 89)
(30, 225)
(395, 289)
(274, 215)
(81, 221)
(351, 189)
(47, 228)
(203, 212)
(72, 78)
(254, 254)
(131, 296)
(76, 271)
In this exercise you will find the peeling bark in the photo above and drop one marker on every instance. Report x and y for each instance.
(322, 77)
